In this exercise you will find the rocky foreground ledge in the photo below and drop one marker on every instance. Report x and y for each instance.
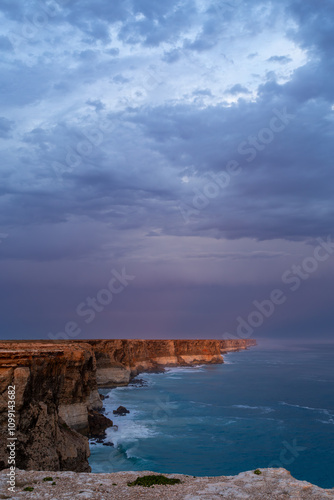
(270, 484)
(54, 389)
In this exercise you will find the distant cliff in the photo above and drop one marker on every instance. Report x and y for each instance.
(57, 389)
(119, 360)
(235, 345)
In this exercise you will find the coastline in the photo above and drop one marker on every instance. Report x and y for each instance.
(100, 482)
(57, 401)
(239, 415)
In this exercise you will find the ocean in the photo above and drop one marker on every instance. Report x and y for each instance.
(269, 406)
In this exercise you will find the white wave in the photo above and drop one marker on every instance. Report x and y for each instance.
(129, 433)
(229, 422)
(177, 370)
(264, 409)
(132, 452)
(200, 403)
(330, 421)
(227, 359)
(321, 410)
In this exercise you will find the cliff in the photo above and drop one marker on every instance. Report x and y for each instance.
(57, 390)
(120, 360)
(236, 345)
(55, 386)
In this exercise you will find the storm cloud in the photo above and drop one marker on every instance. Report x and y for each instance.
(191, 142)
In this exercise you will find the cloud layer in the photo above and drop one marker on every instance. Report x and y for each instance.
(191, 141)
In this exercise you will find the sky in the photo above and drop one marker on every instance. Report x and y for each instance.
(167, 169)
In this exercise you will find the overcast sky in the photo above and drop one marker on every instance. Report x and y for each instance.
(164, 165)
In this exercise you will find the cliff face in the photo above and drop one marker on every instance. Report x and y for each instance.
(55, 387)
(57, 390)
(119, 360)
(236, 345)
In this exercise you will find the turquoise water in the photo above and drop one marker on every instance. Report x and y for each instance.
(265, 407)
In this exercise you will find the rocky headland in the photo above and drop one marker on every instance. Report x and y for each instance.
(57, 403)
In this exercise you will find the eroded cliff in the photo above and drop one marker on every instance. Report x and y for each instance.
(119, 360)
(55, 387)
(57, 390)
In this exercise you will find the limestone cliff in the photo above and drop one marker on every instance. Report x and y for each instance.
(235, 344)
(55, 387)
(119, 360)
(57, 390)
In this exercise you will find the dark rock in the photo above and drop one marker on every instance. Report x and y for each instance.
(121, 410)
(98, 424)
(108, 444)
(138, 382)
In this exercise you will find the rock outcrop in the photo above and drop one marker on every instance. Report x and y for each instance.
(271, 484)
(56, 385)
(98, 424)
(121, 411)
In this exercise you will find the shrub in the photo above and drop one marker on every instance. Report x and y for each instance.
(48, 479)
(149, 481)
(29, 488)
(257, 471)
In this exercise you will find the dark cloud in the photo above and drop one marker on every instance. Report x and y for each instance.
(120, 79)
(315, 23)
(173, 55)
(237, 89)
(280, 59)
(113, 51)
(5, 127)
(5, 43)
(203, 92)
(108, 133)
(97, 104)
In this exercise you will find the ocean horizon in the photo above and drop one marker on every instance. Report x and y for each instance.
(268, 406)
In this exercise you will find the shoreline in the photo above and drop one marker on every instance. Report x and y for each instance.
(137, 383)
(57, 401)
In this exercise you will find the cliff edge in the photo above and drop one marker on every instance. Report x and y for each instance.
(270, 484)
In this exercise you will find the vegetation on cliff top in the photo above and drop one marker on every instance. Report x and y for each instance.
(150, 480)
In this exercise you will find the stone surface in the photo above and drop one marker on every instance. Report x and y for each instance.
(121, 410)
(98, 424)
(271, 484)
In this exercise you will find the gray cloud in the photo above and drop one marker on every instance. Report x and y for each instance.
(5, 43)
(237, 89)
(280, 59)
(115, 114)
(5, 127)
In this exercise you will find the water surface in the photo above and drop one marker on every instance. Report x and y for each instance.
(263, 407)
